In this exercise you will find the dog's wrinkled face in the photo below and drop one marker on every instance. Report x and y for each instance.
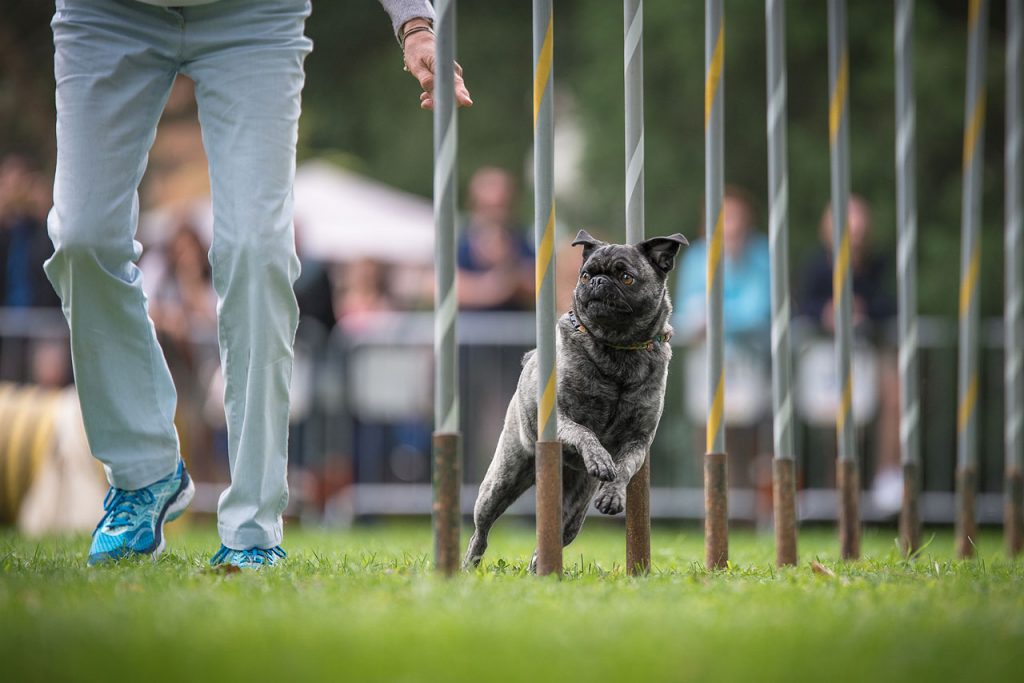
(621, 290)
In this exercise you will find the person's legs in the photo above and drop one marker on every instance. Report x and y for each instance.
(246, 59)
(887, 486)
(114, 66)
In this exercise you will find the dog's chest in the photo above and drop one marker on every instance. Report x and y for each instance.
(617, 409)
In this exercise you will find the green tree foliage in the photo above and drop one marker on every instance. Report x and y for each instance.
(361, 109)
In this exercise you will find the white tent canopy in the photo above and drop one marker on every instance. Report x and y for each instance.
(339, 216)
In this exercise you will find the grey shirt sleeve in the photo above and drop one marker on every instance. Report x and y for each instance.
(402, 11)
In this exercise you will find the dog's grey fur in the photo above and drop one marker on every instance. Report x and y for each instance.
(609, 399)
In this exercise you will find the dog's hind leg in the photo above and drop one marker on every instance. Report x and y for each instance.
(511, 473)
(578, 489)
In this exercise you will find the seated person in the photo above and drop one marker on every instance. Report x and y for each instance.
(873, 307)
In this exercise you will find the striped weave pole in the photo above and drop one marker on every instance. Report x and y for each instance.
(716, 519)
(446, 441)
(1014, 513)
(906, 200)
(638, 509)
(839, 148)
(549, 450)
(783, 465)
(970, 264)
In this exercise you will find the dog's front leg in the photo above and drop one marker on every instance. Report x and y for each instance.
(611, 497)
(596, 458)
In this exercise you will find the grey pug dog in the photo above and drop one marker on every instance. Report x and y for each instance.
(612, 353)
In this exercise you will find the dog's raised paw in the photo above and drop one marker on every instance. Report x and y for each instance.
(610, 501)
(600, 466)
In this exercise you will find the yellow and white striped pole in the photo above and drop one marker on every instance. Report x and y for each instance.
(447, 448)
(549, 449)
(847, 479)
(1014, 513)
(970, 265)
(716, 510)
(638, 492)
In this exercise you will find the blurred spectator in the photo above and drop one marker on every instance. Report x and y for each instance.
(746, 301)
(183, 306)
(496, 271)
(24, 244)
(873, 306)
(43, 359)
(51, 363)
(746, 289)
(364, 290)
(313, 290)
(182, 302)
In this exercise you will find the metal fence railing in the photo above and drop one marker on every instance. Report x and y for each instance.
(362, 417)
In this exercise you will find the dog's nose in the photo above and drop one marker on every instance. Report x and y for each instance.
(599, 280)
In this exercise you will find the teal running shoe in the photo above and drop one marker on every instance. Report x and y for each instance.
(253, 558)
(134, 520)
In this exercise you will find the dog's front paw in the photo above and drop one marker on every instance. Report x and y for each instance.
(599, 464)
(611, 500)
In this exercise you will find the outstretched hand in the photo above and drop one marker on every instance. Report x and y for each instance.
(419, 61)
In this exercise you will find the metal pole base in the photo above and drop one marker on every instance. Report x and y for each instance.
(910, 514)
(1014, 513)
(549, 508)
(966, 527)
(447, 480)
(638, 521)
(848, 484)
(784, 503)
(716, 511)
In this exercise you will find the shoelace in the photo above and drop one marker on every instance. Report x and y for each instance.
(121, 505)
(251, 555)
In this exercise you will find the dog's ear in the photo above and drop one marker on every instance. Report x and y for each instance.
(661, 251)
(589, 243)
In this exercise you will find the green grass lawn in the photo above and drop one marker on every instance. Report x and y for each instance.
(364, 606)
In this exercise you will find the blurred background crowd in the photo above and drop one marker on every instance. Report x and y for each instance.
(362, 388)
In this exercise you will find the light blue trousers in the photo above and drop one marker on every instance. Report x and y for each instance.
(115, 63)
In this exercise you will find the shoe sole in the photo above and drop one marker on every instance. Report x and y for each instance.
(173, 510)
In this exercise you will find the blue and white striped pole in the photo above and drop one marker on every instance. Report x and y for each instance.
(783, 464)
(906, 214)
(638, 492)
(1014, 523)
(446, 439)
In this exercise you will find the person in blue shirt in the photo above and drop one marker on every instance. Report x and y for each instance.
(746, 285)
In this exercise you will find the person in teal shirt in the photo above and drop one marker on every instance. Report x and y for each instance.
(746, 286)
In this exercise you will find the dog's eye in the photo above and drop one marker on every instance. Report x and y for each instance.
(585, 277)
(627, 279)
